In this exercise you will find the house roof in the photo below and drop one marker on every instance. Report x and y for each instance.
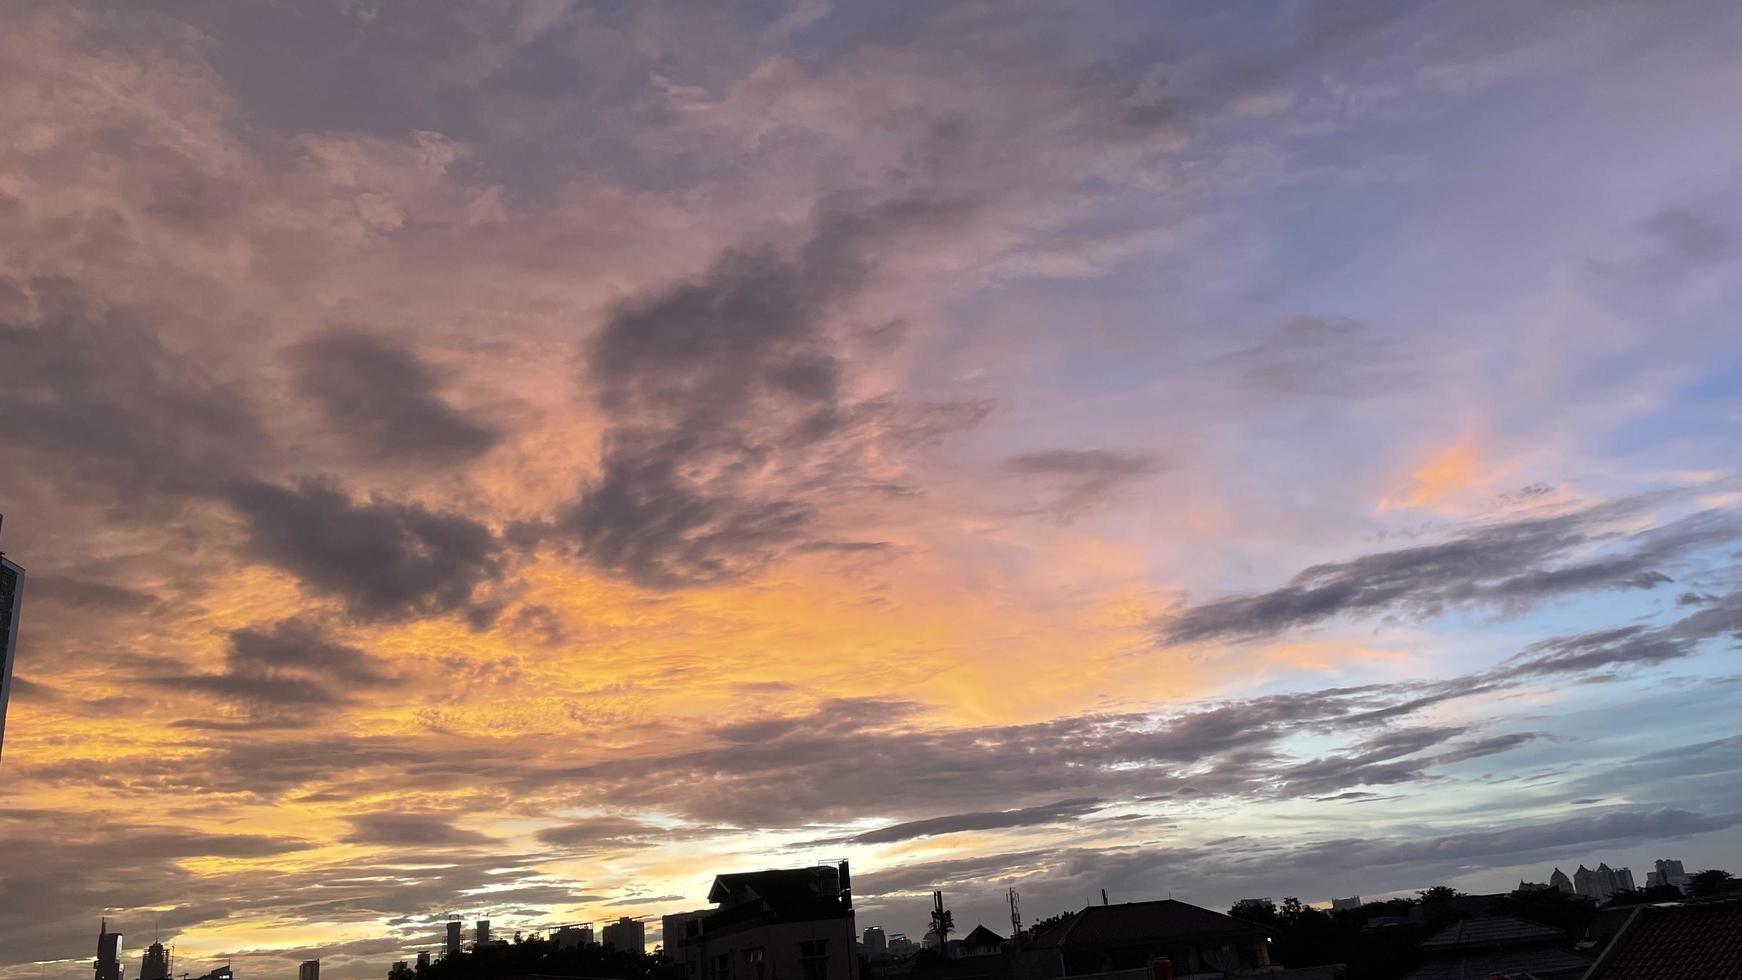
(1490, 930)
(982, 936)
(1137, 922)
(1544, 963)
(780, 894)
(1676, 942)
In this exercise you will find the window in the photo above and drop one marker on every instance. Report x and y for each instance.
(755, 963)
(813, 959)
(722, 967)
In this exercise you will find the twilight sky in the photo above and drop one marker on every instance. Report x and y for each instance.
(523, 458)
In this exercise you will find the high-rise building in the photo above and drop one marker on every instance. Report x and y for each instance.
(108, 962)
(423, 959)
(876, 942)
(1560, 882)
(483, 934)
(309, 970)
(454, 938)
(626, 933)
(11, 604)
(156, 965)
(1668, 873)
(573, 937)
(1602, 884)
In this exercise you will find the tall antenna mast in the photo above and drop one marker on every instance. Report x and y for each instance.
(1015, 917)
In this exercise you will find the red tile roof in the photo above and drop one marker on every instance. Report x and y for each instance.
(1676, 942)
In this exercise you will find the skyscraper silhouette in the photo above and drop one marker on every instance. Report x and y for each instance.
(108, 963)
(11, 603)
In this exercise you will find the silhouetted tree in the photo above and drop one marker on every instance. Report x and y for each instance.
(1438, 893)
(1712, 881)
(1645, 896)
(1255, 910)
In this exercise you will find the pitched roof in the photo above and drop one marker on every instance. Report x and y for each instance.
(1490, 930)
(1548, 962)
(1136, 922)
(982, 936)
(1676, 942)
(781, 894)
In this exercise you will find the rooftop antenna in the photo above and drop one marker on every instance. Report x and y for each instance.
(1103, 896)
(941, 922)
(1015, 916)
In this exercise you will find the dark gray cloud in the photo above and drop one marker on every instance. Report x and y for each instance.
(94, 389)
(385, 400)
(89, 596)
(1628, 646)
(1060, 812)
(726, 408)
(1509, 566)
(1081, 480)
(402, 829)
(384, 559)
(62, 870)
(285, 665)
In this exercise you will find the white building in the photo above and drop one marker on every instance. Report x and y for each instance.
(1345, 904)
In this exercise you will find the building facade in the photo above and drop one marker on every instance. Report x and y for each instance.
(455, 939)
(1345, 904)
(11, 607)
(156, 965)
(108, 962)
(1602, 884)
(626, 933)
(876, 944)
(1670, 873)
(780, 924)
(309, 970)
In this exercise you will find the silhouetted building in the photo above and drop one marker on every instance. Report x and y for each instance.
(1498, 945)
(785, 924)
(11, 606)
(1668, 873)
(221, 973)
(455, 940)
(1560, 882)
(900, 946)
(423, 959)
(1130, 935)
(1601, 884)
(483, 935)
(981, 942)
(573, 937)
(1675, 942)
(309, 970)
(156, 965)
(1345, 904)
(108, 962)
(876, 943)
(627, 933)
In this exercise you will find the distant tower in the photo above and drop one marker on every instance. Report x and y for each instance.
(454, 940)
(309, 970)
(156, 965)
(876, 942)
(626, 933)
(483, 934)
(423, 959)
(11, 602)
(108, 963)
